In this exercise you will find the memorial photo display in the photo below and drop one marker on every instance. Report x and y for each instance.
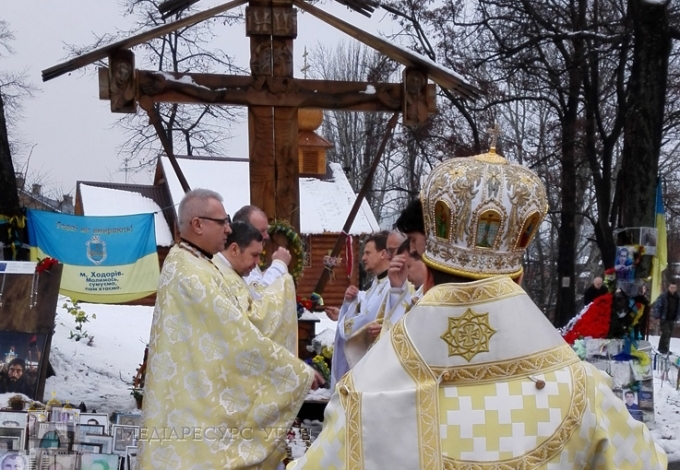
(21, 360)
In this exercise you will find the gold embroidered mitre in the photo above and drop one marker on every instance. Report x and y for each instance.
(480, 214)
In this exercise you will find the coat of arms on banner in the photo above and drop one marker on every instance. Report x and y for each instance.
(96, 250)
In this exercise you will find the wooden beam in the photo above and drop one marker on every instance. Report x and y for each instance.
(270, 91)
(440, 75)
(103, 52)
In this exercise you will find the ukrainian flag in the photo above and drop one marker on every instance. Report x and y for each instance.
(660, 260)
(106, 259)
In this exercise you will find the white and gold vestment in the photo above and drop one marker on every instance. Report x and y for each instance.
(273, 310)
(475, 377)
(353, 317)
(218, 392)
(395, 305)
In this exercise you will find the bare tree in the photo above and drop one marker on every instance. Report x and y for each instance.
(13, 87)
(356, 136)
(191, 129)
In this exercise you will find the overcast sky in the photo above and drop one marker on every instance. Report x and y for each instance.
(72, 130)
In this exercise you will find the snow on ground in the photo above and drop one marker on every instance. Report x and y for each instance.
(101, 375)
(666, 432)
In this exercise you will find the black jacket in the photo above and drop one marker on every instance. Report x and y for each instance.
(661, 308)
(592, 293)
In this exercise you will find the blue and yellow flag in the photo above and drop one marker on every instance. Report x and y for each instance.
(660, 260)
(106, 259)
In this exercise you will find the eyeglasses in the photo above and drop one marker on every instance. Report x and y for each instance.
(225, 221)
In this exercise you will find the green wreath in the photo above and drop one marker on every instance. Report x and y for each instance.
(294, 245)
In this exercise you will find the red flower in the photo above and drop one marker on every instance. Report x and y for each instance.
(595, 321)
(45, 264)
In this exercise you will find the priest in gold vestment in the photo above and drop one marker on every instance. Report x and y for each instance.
(219, 393)
(273, 310)
(475, 376)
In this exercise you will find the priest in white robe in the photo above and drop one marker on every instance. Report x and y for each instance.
(406, 275)
(218, 393)
(360, 308)
(475, 376)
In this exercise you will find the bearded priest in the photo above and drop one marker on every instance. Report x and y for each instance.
(475, 376)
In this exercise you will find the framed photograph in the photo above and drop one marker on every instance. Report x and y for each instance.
(8, 443)
(630, 398)
(105, 441)
(53, 435)
(12, 438)
(20, 362)
(123, 436)
(95, 418)
(46, 457)
(648, 239)
(131, 457)
(129, 419)
(87, 447)
(62, 462)
(14, 460)
(625, 263)
(65, 415)
(99, 462)
(34, 417)
(82, 430)
(13, 419)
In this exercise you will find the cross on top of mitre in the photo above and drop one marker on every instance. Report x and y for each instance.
(494, 132)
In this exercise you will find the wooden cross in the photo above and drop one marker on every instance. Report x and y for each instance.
(271, 93)
(494, 132)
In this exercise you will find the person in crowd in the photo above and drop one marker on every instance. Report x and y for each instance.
(217, 389)
(467, 378)
(360, 308)
(667, 309)
(273, 311)
(361, 340)
(256, 278)
(410, 223)
(593, 291)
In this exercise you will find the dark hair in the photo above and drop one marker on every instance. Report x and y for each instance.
(411, 218)
(380, 240)
(243, 234)
(672, 282)
(629, 391)
(244, 213)
(18, 361)
(404, 247)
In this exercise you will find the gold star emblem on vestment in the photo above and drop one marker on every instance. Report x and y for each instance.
(468, 334)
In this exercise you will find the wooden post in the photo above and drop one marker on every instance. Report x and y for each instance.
(274, 185)
(323, 280)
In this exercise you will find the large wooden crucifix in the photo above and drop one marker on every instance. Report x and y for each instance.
(271, 93)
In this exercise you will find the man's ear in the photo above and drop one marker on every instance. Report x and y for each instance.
(232, 249)
(196, 226)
